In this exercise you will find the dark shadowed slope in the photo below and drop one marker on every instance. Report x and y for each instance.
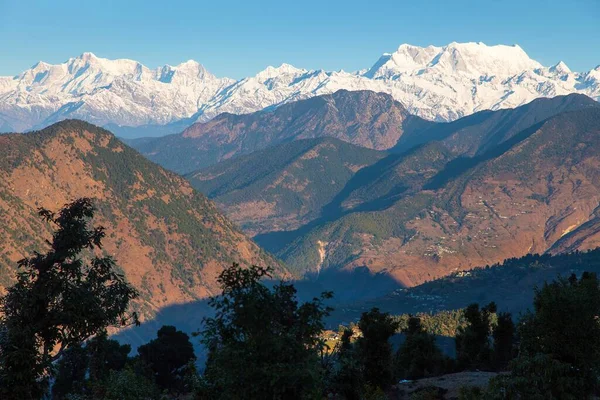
(482, 131)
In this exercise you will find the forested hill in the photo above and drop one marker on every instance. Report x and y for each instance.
(283, 187)
(169, 239)
(510, 284)
(363, 118)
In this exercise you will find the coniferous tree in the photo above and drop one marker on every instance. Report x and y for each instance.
(419, 356)
(348, 379)
(559, 351)
(564, 326)
(504, 341)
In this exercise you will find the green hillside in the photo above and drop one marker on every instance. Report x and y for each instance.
(510, 284)
(284, 186)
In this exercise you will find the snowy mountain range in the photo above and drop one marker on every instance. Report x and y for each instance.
(436, 83)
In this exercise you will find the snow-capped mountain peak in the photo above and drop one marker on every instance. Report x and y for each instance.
(438, 83)
(473, 59)
(272, 72)
(560, 68)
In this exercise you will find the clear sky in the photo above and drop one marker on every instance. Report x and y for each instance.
(240, 38)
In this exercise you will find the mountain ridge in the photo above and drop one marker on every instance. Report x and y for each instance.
(538, 195)
(456, 202)
(284, 186)
(436, 83)
(170, 240)
(363, 118)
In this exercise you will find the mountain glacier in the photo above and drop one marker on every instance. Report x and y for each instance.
(436, 83)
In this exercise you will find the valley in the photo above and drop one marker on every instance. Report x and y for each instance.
(474, 192)
(347, 191)
(299, 201)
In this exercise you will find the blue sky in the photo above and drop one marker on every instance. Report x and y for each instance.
(236, 39)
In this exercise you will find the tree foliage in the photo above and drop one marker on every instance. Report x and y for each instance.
(419, 357)
(538, 377)
(473, 347)
(504, 341)
(374, 348)
(58, 302)
(169, 356)
(565, 322)
(262, 343)
(347, 378)
(70, 373)
(560, 343)
(126, 384)
(105, 355)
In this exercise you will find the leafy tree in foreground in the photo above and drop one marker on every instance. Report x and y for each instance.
(504, 341)
(560, 343)
(169, 356)
(58, 302)
(374, 348)
(348, 377)
(473, 347)
(262, 343)
(419, 356)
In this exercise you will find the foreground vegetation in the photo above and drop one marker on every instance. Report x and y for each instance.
(263, 344)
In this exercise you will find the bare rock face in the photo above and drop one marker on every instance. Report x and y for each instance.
(169, 239)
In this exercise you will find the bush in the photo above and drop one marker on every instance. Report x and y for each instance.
(539, 377)
(428, 393)
(127, 385)
(470, 393)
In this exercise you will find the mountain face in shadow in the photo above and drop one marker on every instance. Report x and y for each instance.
(510, 284)
(348, 287)
(364, 118)
(479, 133)
(170, 240)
